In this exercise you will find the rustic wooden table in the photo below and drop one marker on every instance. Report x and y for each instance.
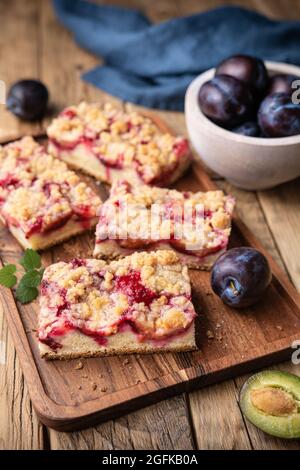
(33, 44)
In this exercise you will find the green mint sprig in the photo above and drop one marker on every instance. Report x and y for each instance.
(7, 275)
(27, 289)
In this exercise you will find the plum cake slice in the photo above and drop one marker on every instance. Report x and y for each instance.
(42, 202)
(111, 144)
(141, 303)
(194, 225)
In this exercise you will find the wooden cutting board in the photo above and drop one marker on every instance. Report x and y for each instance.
(70, 395)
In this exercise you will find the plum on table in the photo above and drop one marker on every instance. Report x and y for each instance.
(28, 99)
(240, 276)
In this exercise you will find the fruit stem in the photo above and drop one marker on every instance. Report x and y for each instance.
(234, 289)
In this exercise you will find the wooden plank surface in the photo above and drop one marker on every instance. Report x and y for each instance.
(19, 427)
(60, 49)
(54, 61)
(250, 211)
(161, 426)
(281, 209)
(242, 341)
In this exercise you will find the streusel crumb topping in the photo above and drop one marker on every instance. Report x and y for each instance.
(38, 191)
(119, 139)
(176, 212)
(149, 290)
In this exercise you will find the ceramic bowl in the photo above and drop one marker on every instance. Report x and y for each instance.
(247, 162)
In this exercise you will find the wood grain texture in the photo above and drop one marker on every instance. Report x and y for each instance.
(19, 427)
(281, 208)
(162, 426)
(54, 43)
(61, 67)
(217, 420)
(18, 35)
(279, 9)
(251, 213)
(65, 398)
(209, 407)
(250, 210)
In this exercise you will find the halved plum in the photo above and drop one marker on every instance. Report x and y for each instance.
(271, 401)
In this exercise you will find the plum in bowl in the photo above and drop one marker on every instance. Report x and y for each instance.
(247, 162)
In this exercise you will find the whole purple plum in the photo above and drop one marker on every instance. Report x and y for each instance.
(249, 128)
(226, 101)
(28, 99)
(248, 69)
(281, 83)
(278, 116)
(240, 276)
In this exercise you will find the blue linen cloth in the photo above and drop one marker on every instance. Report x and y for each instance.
(152, 64)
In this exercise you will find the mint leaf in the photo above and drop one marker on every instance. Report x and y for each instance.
(7, 277)
(30, 260)
(32, 278)
(27, 287)
(26, 294)
(9, 269)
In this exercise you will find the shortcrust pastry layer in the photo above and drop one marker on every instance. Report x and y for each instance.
(194, 225)
(110, 144)
(141, 303)
(42, 202)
